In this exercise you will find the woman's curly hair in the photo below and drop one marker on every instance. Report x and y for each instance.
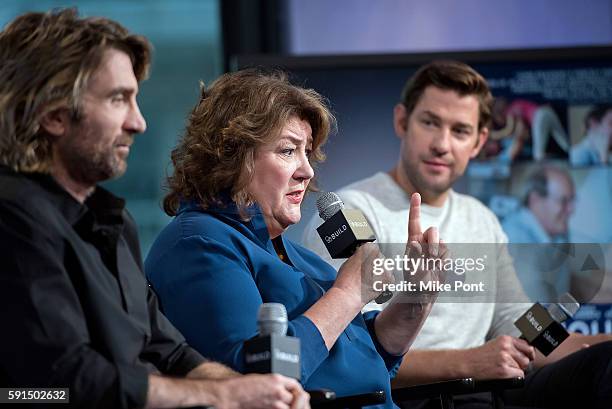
(236, 115)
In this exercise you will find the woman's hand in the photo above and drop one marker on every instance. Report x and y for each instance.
(397, 325)
(427, 246)
(356, 276)
(353, 288)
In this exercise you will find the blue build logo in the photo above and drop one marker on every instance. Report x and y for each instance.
(591, 319)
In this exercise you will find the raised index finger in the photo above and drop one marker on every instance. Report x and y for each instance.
(414, 218)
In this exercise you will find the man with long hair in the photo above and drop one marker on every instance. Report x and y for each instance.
(76, 309)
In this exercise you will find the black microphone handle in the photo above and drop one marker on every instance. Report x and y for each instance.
(331, 199)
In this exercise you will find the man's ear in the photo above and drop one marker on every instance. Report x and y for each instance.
(483, 135)
(400, 120)
(55, 122)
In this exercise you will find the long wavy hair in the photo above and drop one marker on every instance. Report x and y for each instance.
(46, 60)
(236, 115)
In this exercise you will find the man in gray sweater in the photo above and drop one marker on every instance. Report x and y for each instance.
(442, 123)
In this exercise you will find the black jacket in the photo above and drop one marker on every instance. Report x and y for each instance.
(75, 308)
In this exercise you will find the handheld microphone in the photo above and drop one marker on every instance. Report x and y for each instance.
(541, 326)
(343, 230)
(272, 351)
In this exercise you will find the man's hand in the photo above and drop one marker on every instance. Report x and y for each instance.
(502, 357)
(262, 391)
(248, 391)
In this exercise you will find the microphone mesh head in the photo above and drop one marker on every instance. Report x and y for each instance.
(569, 304)
(328, 204)
(272, 319)
(565, 308)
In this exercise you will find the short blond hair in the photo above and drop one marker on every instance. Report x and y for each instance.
(47, 60)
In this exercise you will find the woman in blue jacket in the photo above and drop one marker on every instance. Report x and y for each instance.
(240, 174)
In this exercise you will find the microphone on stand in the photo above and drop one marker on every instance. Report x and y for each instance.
(272, 351)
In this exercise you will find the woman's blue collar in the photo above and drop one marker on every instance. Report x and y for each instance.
(225, 207)
(252, 217)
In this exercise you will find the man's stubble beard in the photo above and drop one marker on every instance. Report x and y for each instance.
(420, 183)
(91, 164)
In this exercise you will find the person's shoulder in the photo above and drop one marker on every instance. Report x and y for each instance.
(361, 192)
(218, 223)
(475, 213)
(313, 260)
(369, 184)
(516, 218)
(195, 221)
(23, 197)
(206, 226)
(521, 226)
(189, 232)
(28, 213)
(17, 187)
(470, 204)
(192, 224)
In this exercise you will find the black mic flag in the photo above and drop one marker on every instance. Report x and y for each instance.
(541, 326)
(272, 351)
(343, 230)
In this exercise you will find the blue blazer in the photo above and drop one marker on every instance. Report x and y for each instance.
(212, 270)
